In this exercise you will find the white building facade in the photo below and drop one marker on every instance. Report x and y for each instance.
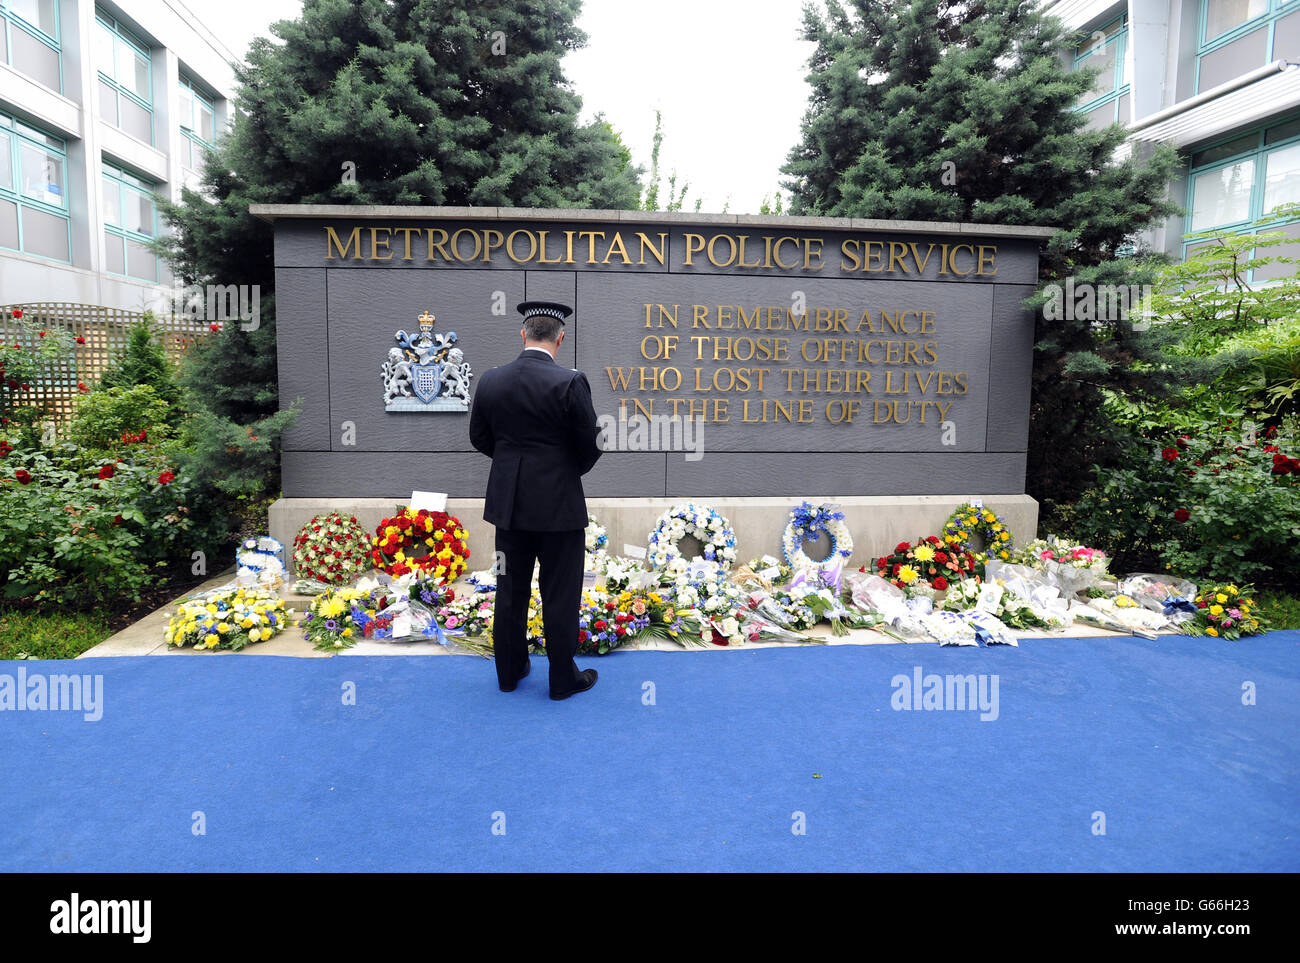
(103, 106)
(1219, 80)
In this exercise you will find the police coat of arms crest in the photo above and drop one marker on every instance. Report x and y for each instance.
(426, 371)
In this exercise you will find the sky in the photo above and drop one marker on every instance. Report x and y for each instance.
(728, 76)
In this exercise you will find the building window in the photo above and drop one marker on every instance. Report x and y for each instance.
(125, 79)
(1221, 17)
(29, 40)
(198, 122)
(1107, 51)
(33, 195)
(1237, 184)
(130, 224)
(1236, 36)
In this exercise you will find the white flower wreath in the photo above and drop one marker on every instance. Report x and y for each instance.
(806, 521)
(716, 536)
(597, 536)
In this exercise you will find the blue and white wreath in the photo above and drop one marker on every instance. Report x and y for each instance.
(716, 537)
(807, 522)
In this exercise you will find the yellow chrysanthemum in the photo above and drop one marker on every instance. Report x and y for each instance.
(907, 575)
(211, 639)
(924, 553)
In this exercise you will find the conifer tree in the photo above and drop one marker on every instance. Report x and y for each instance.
(437, 102)
(948, 110)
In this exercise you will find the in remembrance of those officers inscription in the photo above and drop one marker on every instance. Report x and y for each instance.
(791, 355)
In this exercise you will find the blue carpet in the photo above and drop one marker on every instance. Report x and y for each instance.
(1153, 735)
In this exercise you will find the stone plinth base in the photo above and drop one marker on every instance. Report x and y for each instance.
(878, 522)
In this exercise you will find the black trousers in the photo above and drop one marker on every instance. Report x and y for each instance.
(560, 579)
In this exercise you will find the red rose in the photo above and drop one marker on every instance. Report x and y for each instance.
(599, 625)
(719, 638)
(23, 476)
(1169, 454)
(1182, 514)
(1182, 441)
(582, 635)
(1200, 605)
(166, 478)
(620, 631)
(941, 557)
(17, 312)
(902, 547)
(897, 567)
(41, 333)
(117, 520)
(81, 386)
(933, 540)
(941, 584)
(214, 327)
(80, 340)
(107, 472)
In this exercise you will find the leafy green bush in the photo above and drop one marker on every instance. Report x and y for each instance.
(1222, 502)
(103, 417)
(84, 531)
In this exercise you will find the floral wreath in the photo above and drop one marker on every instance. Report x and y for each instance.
(806, 523)
(971, 520)
(597, 537)
(226, 619)
(437, 535)
(331, 549)
(715, 534)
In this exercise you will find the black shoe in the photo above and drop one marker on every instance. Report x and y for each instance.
(528, 667)
(586, 679)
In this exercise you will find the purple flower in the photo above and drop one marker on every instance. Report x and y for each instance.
(331, 625)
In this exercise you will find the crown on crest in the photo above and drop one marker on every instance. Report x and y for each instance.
(426, 322)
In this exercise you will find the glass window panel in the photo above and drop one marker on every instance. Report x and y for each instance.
(104, 43)
(185, 108)
(1283, 132)
(108, 103)
(139, 212)
(1231, 149)
(1282, 177)
(1105, 60)
(207, 123)
(6, 161)
(42, 175)
(9, 224)
(136, 120)
(113, 258)
(45, 234)
(1222, 196)
(35, 58)
(140, 262)
(140, 77)
(1223, 15)
(112, 202)
(31, 133)
(39, 13)
(4, 44)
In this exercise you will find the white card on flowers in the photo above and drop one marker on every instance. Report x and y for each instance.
(429, 501)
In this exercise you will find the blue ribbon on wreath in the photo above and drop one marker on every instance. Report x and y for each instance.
(1174, 604)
